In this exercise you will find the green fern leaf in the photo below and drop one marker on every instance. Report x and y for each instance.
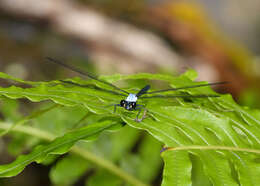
(222, 134)
(60, 145)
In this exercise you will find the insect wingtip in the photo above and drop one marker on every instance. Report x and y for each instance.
(47, 58)
(224, 82)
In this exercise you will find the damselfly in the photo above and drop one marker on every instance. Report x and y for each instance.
(130, 103)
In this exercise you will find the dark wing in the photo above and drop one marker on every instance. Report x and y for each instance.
(143, 90)
(92, 86)
(186, 87)
(84, 73)
(180, 96)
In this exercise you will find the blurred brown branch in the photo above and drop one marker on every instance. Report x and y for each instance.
(193, 43)
(107, 40)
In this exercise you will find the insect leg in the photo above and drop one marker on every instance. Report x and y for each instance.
(139, 108)
(116, 105)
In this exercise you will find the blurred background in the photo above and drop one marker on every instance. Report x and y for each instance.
(219, 39)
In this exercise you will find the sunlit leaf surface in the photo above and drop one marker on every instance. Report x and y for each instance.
(227, 136)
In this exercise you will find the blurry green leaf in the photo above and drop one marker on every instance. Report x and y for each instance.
(102, 178)
(250, 98)
(59, 146)
(123, 141)
(50, 159)
(28, 118)
(68, 170)
(80, 151)
(146, 164)
(62, 119)
(21, 143)
(8, 109)
(130, 163)
(151, 162)
(191, 74)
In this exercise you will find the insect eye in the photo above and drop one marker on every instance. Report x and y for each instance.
(122, 103)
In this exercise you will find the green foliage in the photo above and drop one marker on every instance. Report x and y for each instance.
(58, 146)
(177, 168)
(103, 178)
(215, 136)
(61, 173)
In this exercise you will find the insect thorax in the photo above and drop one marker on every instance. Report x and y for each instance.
(131, 98)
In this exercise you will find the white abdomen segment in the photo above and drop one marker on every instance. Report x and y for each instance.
(131, 98)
